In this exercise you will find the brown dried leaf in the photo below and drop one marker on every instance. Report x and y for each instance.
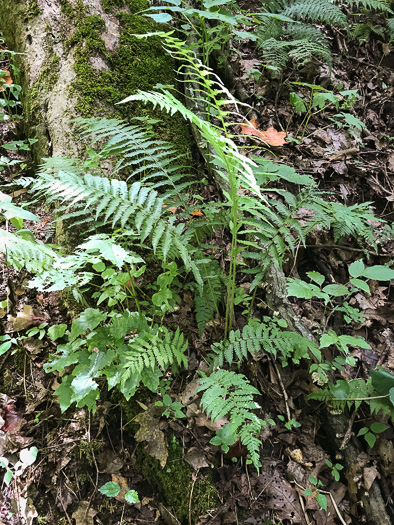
(272, 137)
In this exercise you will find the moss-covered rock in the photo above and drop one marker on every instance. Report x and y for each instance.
(182, 489)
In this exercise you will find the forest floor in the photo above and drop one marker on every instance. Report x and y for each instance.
(78, 452)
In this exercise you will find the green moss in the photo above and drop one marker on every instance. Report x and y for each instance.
(86, 449)
(136, 64)
(33, 9)
(175, 483)
(134, 6)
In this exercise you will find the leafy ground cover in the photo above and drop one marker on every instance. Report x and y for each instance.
(173, 454)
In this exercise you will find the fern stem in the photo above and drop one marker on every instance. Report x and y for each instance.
(133, 291)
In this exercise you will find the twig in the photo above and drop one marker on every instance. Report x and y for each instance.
(282, 387)
(340, 247)
(191, 496)
(303, 509)
(348, 433)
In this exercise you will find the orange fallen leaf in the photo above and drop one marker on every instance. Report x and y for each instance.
(197, 213)
(271, 136)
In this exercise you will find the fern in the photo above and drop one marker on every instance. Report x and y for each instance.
(377, 5)
(227, 394)
(207, 303)
(237, 346)
(151, 159)
(268, 336)
(390, 26)
(21, 253)
(152, 351)
(314, 11)
(92, 198)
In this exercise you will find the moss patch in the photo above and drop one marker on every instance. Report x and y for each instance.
(33, 9)
(136, 64)
(175, 483)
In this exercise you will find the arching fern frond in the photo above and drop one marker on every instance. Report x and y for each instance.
(151, 159)
(34, 256)
(92, 198)
(376, 5)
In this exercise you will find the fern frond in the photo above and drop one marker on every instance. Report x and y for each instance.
(157, 348)
(112, 200)
(237, 346)
(376, 5)
(207, 303)
(20, 253)
(315, 11)
(227, 394)
(390, 26)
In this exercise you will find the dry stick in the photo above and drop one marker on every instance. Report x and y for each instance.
(339, 247)
(65, 511)
(282, 387)
(191, 496)
(303, 509)
(348, 433)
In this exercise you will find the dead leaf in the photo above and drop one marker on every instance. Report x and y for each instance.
(197, 213)
(281, 497)
(272, 137)
(82, 515)
(122, 482)
(149, 431)
(11, 418)
(196, 458)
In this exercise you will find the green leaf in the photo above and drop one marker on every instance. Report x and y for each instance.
(391, 392)
(356, 269)
(5, 346)
(64, 392)
(303, 290)
(360, 284)
(378, 428)
(340, 390)
(110, 489)
(132, 497)
(297, 102)
(328, 339)
(382, 380)
(322, 501)
(308, 492)
(99, 267)
(378, 273)
(160, 18)
(56, 331)
(362, 431)
(316, 277)
(337, 290)
(312, 479)
(28, 455)
(370, 439)
(8, 477)
(88, 320)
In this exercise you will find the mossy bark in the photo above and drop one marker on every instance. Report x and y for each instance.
(80, 59)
